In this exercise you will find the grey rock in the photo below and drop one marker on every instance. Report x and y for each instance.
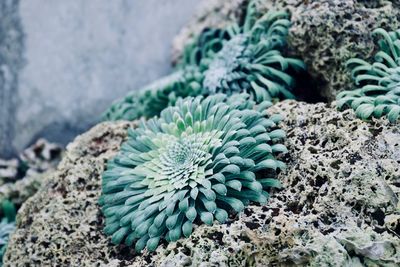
(339, 205)
(79, 57)
(21, 177)
(8, 169)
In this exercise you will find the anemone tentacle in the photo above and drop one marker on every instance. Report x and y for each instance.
(378, 84)
(203, 159)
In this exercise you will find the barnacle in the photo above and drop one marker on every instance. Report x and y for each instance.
(200, 160)
(378, 92)
(246, 58)
(149, 101)
(7, 225)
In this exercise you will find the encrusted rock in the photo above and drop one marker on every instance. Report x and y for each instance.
(21, 178)
(42, 155)
(324, 33)
(339, 204)
(8, 170)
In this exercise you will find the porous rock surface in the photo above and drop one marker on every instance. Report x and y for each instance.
(338, 205)
(21, 178)
(324, 33)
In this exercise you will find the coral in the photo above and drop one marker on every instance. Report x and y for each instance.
(7, 225)
(247, 57)
(379, 83)
(201, 160)
(341, 185)
(324, 33)
(152, 99)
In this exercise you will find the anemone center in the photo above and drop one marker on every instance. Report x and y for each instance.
(179, 153)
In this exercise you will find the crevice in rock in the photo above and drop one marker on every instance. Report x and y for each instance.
(308, 89)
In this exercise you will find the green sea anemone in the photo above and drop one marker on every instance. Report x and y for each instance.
(378, 92)
(152, 99)
(246, 58)
(200, 161)
(7, 225)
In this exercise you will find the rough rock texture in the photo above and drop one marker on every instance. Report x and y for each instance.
(76, 57)
(324, 33)
(339, 205)
(18, 192)
(21, 177)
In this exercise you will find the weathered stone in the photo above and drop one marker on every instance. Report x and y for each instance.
(42, 155)
(19, 191)
(8, 169)
(338, 206)
(325, 34)
(27, 173)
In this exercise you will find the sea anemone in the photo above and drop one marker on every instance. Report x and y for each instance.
(378, 92)
(203, 159)
(246, 58)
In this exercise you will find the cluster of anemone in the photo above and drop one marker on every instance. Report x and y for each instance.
(246, 58)
(378, 84)
(200, 161)
(7, 225)
(240, 58)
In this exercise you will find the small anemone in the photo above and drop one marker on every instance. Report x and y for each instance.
(378, 84)
(200, 161)
(152, 99)
(246, 58)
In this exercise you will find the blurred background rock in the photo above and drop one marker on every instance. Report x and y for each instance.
(63, 62)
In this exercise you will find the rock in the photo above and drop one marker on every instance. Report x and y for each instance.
(8, 169)
(19, 191)
(325, 34)
(339, 204)
(42, 155)
(21, 178)
(62, 63)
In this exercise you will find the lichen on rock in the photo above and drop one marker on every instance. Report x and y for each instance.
(339, 204)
